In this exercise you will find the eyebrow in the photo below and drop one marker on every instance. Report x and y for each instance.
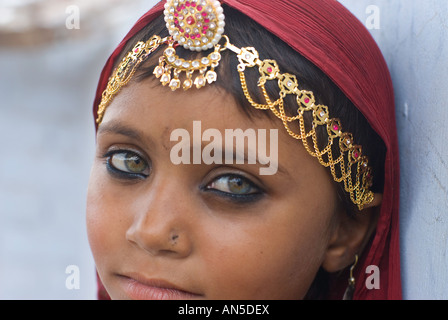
(121, 129)
(244, 156)
(115, 127)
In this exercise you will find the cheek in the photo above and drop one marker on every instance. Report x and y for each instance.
(104, 224)
(277, 258)
(94, 213)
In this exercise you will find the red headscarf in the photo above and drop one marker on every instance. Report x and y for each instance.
(328, 35)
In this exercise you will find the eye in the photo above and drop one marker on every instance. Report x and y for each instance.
(128, 162)
(233, 185)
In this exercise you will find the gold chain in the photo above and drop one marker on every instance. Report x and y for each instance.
(349, 166)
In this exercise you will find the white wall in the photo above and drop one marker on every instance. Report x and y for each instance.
(413, 37)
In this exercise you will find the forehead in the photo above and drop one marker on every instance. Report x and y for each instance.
(155, 111)
(150, 106)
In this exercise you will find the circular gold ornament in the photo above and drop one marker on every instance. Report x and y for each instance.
(195, 24)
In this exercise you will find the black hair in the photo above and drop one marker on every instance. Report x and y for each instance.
(244, 32)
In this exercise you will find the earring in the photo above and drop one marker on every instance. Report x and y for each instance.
(348, 295)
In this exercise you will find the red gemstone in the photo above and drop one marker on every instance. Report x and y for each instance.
(192, 36)
(190, 20)
(187, 35)
(176, 14)
(269, 70)
(193, 4)
(204, 14)
(307, 100)
(199, 8)
(356, 155)
(187, 3)
(206, 20)
(336, 127)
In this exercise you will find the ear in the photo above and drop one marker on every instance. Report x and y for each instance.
(350, 235)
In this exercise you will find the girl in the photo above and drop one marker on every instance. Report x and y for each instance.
(178, 206)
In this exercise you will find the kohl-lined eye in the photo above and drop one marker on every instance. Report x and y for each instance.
(128, 163)
(233, 185)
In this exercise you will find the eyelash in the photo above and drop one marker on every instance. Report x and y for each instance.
(235, 197)
(120, 174)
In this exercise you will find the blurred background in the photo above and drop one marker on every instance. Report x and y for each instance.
(51, 55)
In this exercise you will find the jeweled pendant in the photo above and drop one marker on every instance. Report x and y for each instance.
(211, 76)
(188, 83)
(196, 25)
(199, 82)
(174, 84)
(165, 79)
(158, 71)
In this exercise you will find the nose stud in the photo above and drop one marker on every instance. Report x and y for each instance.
(174, 239)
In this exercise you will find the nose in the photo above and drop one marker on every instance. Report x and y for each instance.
(162, 223)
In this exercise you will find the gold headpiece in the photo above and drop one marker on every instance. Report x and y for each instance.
(199, 25)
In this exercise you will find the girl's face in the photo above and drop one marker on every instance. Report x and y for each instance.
(204, 231)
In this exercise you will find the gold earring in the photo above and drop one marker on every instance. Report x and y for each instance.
(348, 295)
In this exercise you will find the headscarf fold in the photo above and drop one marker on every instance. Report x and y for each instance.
(329, 36)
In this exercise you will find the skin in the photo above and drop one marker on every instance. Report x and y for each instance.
(172, 225)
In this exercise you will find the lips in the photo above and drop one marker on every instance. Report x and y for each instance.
(138, 287)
